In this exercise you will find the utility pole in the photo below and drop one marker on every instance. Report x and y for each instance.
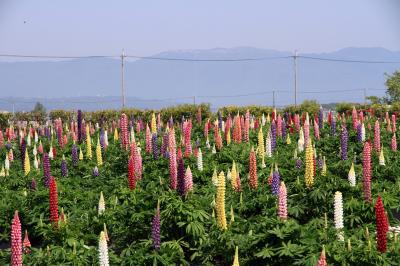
(122, 78)
(273, 99)
(194, 100)
(365, 97)
(295, 77)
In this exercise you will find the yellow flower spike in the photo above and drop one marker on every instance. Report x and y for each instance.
(236, 258)
(98, 153)
(153, 124)
(261, 147)
(234, 175)
(116, 137)
(27, 164)
(232, 215)
(214, 177)
(88, 143)
(309, 173)
(228, 137)
(80, 154)
(220, 202)
(323, 172)
(288, 140)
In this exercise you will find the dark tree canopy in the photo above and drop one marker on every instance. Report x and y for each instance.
(393, 87)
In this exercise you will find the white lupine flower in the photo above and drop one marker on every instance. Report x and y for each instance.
(7, 164)
(2, 172)
(263, 120)
(229, 175)
(208, 143)
(105, 137)
(223, 126)
(199, 160)
(97, 126)
(36, 137)
(103, 250)
(301, 141)
(34, 150)
(51, 155)
(362, 132)
(28, 140)
(213, 150)
(338, 213)
(268, 149)
(36, 163)
(381, 158)
(352, 176)
(102, 204)
(214, 178)
(132, 135)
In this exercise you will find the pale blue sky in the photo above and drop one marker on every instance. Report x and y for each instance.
(146, 27)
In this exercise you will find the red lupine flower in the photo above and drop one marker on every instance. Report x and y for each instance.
(16, 241)
(377, 137)
(367, 171)
(53, 198)
(124, 131)
(382, 225)
(131, 173)
(218, 139)
(253, 170)
(237, 132)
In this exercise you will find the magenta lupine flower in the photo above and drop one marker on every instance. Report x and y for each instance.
(149, 148)
(276, 179)
(16, 241)
(124, 131)
(273, 136)
(156, 228)
(282, 202)
(181, 177)
(367, 171)
(33, 184)
(321, 118)
(343, 142)
(377, 137)
(164, 146)
(394, 143)
(187, 138)
(279, 126)
(359, 132)
(172, 160)
(46, 169)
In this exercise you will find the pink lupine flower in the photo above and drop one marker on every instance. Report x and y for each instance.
(377, 137)
(16, 241)
(394, 142)
(188, 180)
(148, 140)
(367, 171)
(282, 199)
(124, 131)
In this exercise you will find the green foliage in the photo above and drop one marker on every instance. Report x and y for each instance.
(4, 117)
(309, 106)
(254, 109)
(393, 87)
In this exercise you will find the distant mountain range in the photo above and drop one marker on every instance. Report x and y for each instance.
(73, 83)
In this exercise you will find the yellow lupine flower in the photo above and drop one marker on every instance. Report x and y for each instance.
(232, 215)
(309, 174)
(116, 137)
(27, 163)
(98, 153)
(323, 172)
(80, 154)
(288, 140)
(228, 137)
(88, 143)
(261, 147)
(220, 202)
(234, 175)
(153, 124)
(236, 258)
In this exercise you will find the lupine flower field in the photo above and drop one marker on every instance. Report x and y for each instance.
(241, 188)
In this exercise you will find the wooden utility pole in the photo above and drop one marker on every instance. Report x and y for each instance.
(122, 78)
(273, 99)
(295, 77)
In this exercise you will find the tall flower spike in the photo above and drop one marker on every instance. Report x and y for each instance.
(188, 180)
(102, 204)
(64, 168)
(181, 186)
(343, 143)
(199, 160)
(322, 258)
(46, 169)
(367, 171)
(26, 243)
(236, 258)
(99, 157)
(131, 173)
(309, 173)
(382, 225)
(282, 200)
(53, 198)
(338, 206)
(253, 178)
(155, 228)
(88, 143)
(233, 175)
(352, 176)
(103, 250)
(275, 181)
(377, 136)
(124, 131)
(394, 143)
(261, 148)
(220, 202)
(16, 241)
(74, 155)
(27, 164)
(381, 158)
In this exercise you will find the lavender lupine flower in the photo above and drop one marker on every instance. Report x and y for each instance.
(284, 130)
(164, 146)
(276, 180)
(219, 120)
(343, 143)
(33, 184)
(155, 229)
(102, 141)
(181, 177)
(8, 146)
(64, 168)
(155, 147)
(299, 163)
(359, 132)
(320, 163)
(23, 150)
(273, 136)
(95, 172)
(79, 125)
(171, 122)
(333, 128)
(321, 118)
(46, 169)
(74, 155)
(286, 116)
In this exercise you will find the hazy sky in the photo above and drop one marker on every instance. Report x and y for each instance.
(87, 27)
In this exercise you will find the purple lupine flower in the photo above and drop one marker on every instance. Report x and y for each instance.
(284, 132)
(343, 143)
(155, 146)
(79, 125)
(333, 128)
(155, 229)
(320, 163)
(321, 118)
(220, 120)
(46, 169)
(286, 116)
(74, 155)
(102, 141)
(95, 172)
(273, 136)
(8, 146)
(164, 146)
(197, 143)
(299, 163)
(359, 132)
(33, 184)
(22, 152)
(171, 122)
(83, 131)
(64, 168)
(181, 177)
(275, 182)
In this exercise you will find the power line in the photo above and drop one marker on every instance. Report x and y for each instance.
(207, 59)
(348, 60)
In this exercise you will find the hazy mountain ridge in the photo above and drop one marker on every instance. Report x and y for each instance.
(154, 79)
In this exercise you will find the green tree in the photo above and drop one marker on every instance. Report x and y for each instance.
(393, 87)
(39, 111)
